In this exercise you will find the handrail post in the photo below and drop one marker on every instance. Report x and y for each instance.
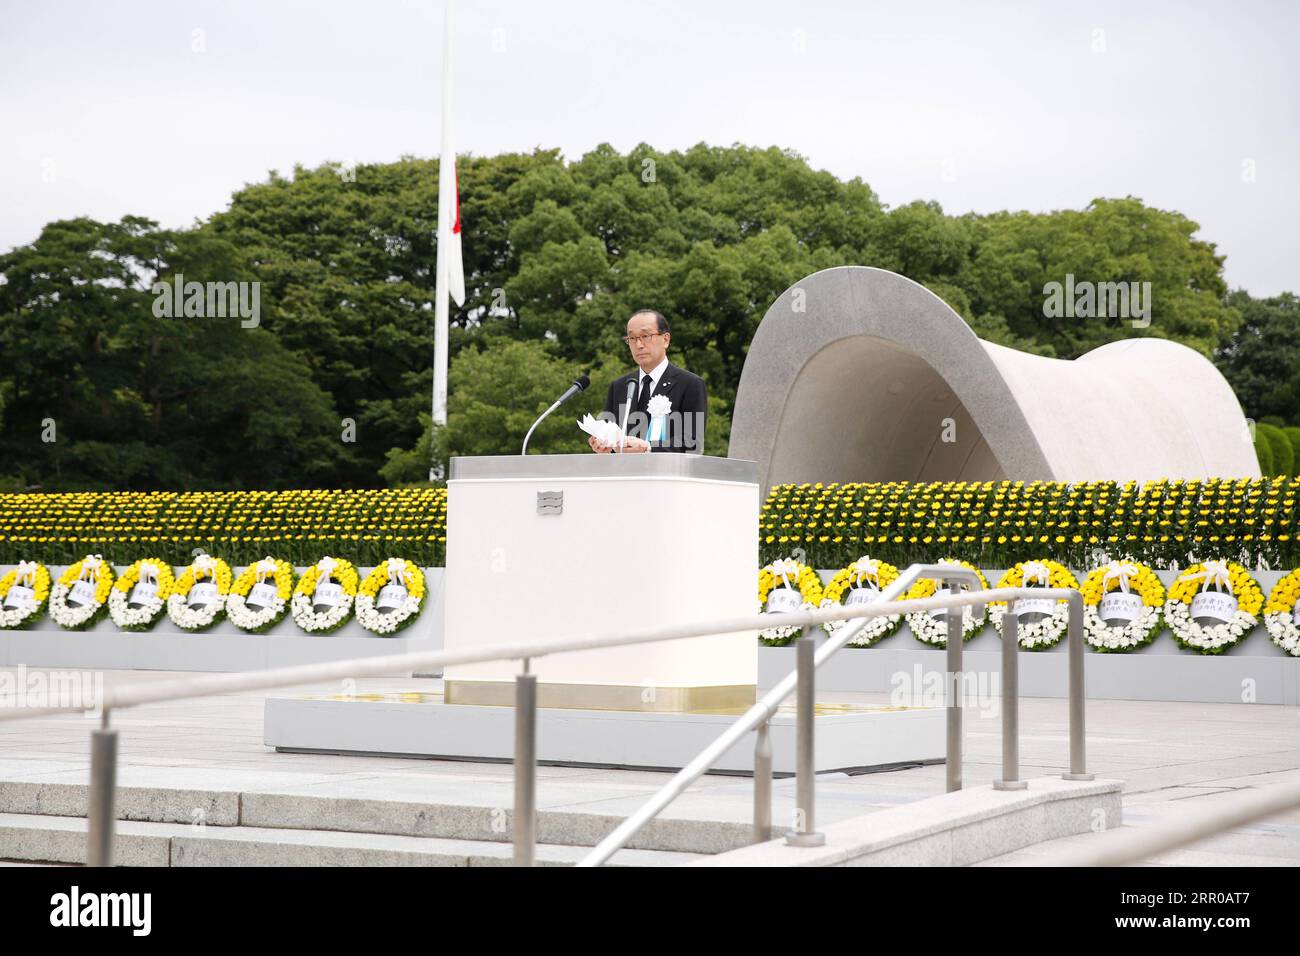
(1010, 702)
(103, 783)
(1078, 756)
(763, 782)
(804, 832)
(952, 752)
(524, 819)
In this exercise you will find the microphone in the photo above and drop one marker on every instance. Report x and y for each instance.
(579, 384)
(627, 408)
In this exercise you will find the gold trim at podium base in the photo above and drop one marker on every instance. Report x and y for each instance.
(724, 699)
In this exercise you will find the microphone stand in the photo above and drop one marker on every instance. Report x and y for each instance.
(627, 408)
(553, 407)
(580, 384)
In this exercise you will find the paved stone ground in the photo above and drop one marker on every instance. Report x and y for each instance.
(1170, 756)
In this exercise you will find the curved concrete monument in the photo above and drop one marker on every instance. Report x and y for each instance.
(859, 374)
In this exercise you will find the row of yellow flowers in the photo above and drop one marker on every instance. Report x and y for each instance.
(990, 524)
(365, 526)
(999, 523)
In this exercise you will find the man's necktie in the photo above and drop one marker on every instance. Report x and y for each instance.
(643, 398)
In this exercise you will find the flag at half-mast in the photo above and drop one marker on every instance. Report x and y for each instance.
(450, 278)
(449, 232)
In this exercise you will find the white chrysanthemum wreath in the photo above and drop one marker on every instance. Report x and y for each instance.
(139, 597)
(198, 598)
(1282, 613)
(259, 597)
(1226, 594)
(1131, 598)
(858, 584)
(1048, 629)
(79, 599)
(786, 585)
(931, 627)
(390, 598)
(23, 592)
(336, 580)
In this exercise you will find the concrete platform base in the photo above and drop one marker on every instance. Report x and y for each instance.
(850, 737)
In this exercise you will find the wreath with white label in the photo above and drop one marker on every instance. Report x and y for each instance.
(198, 598)
(1281, 613)
(23, 592)
(1041, 622)
(1122, 606)
(931, 627)
(139, 597)
(259, 597)
(1225, 598)
(390, 598)
(786, 585)
(322, 601)
(79, 599)
(858, 584)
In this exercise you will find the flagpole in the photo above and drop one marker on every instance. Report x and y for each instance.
(446, 200)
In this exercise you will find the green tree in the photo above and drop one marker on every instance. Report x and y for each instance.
(1261, 358)
(106, 394)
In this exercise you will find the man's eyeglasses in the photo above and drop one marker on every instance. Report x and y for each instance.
(638, 339)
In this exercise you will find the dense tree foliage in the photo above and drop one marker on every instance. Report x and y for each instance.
(332, 388)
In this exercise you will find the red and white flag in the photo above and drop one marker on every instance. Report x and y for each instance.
(449, 254)
(449, 269)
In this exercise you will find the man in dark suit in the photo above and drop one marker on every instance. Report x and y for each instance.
(682, 429)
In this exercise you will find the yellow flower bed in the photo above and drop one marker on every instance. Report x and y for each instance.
(995, 524)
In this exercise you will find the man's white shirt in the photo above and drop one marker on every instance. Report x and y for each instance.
(655, 375)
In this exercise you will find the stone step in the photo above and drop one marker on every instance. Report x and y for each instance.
(62, 839)
(671, 832)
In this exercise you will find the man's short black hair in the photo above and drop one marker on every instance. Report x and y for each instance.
(662, 325)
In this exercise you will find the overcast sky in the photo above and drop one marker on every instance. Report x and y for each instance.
(109, 108)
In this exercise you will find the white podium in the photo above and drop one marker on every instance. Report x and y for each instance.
(541, 547)
(549, 546)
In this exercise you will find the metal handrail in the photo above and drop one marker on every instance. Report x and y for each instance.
(763, 711)
(104, 741)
